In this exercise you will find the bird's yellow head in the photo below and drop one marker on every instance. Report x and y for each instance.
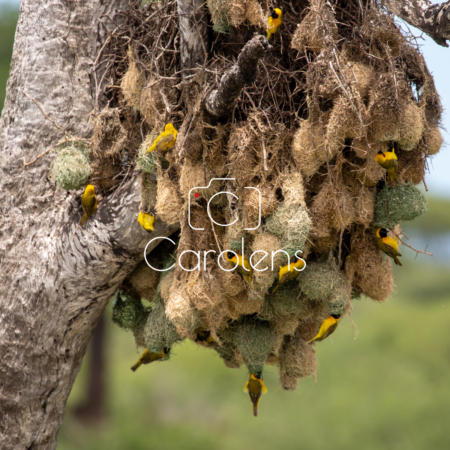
(169, 128)
(276, 14)
(90, 189)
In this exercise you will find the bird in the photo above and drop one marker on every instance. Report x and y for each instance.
(165, 140)
(388, 245)
(89, 203)
(289, 272)
(327, 327)
(146, 221)
(274, 21)
(255, 386)
(148, 357)
(242, 264)
(388, 160)
(204, 336)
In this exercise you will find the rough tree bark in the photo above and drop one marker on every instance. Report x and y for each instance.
(433, 20)
(222, 100)
(193, 34)
(54, 284)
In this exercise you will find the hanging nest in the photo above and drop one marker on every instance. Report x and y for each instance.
(337, 85)
(398, 203)
(71, 167)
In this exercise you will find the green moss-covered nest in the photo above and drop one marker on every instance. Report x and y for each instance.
(403, 202)
(322, 282)
(147, 162)
(292, 223)
(220, 15)
(254, 340)
(71, 167)
(129, 313)
(159, 331)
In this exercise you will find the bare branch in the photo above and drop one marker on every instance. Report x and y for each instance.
(434, 20)
(222, 101)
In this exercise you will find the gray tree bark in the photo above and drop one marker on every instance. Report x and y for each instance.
(221, 101)
(54, 284)
(193, 34)
(432, 19)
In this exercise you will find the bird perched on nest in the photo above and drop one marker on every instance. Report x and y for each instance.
(388, 160)
(242, 264)
(204, 336)
(274, 21)
(148, 357)
(327, 327)
(289, 272)
(388, 245)
(165, 140)
(89, 203)
(255, 387)
(146, 221)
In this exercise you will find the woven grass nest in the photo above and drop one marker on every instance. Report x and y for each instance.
(337, 86)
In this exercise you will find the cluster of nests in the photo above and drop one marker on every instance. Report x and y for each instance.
(339, 84)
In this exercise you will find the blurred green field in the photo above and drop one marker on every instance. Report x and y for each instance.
(387, 389)
(8, 20)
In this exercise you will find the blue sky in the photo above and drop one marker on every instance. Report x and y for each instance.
(438, 61)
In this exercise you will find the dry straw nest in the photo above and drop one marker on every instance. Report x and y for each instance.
(338, 85)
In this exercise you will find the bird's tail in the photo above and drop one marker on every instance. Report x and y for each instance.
(397, 261)
(392, 175)
(83, 219)
(255, 410)
(136, 366)
(276, 287)
(268, 35)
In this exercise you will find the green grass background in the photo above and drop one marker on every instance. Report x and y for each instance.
(383, 382)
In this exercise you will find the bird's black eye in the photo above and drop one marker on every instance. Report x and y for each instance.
(336, 316)
(230, 255)
(274, 15)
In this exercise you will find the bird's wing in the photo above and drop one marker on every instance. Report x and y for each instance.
(164, 141)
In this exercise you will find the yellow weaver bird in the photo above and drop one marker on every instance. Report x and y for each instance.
(289, 272)
(89, 203)
(274, 21)
(388, 245)
(148, 357)
(242, 264)
(388, 160)
(204, 336)
(328, 326)
(165, 140)
(146, 221)
(255, 386)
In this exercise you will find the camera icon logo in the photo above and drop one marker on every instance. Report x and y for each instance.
(215, 195)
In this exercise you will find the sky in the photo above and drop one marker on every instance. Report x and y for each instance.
(438, 61)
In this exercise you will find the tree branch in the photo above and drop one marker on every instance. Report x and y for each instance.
(433, 20)
(193, 34)
(222, 100)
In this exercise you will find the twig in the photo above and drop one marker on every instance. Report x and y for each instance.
(42, 111)
(46, 151)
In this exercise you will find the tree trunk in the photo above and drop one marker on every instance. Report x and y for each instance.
(55, 283)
